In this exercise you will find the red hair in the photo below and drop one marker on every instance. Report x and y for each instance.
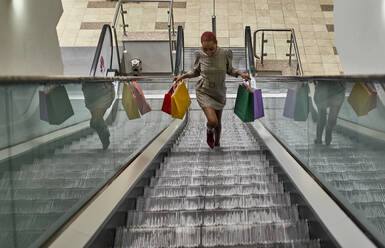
(208, 36)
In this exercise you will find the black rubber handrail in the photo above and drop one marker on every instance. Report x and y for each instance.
(179, 58)
(106, 28)
(250, 63)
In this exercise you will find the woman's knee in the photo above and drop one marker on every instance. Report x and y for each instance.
(212, 122)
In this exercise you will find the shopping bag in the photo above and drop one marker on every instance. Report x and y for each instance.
(166, 106)
(180, 101)
(289, 107)
(258, 104)
(297, 104)
(301, 110)
(55, 106)
(244, 104)
(143, 105)
(362, 98)
(129, 102)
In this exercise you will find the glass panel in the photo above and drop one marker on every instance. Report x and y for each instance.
(57, 167)
(342, 141)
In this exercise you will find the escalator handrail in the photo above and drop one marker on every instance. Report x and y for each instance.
(179, 58)
(250, 63)
(106, 28)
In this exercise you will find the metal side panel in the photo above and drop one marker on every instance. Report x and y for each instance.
(155, 55)
(81, 229)
(340, 226)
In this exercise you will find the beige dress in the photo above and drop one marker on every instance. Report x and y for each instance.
(211, 88)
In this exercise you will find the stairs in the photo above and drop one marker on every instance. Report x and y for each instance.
(226, 197)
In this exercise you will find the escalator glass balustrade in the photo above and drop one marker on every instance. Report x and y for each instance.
(48, 171)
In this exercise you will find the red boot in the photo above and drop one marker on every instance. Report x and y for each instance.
(210, 138)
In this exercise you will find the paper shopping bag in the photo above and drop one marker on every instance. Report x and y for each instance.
(258, 104)
(244, 104)
(166, 106)
(55, 106)
(297, 104)
(143, 105)
(362, 98)
(129, 102)
(180, 101)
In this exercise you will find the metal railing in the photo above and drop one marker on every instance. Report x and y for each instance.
(171, 25)
(292, 41)
(179, 57)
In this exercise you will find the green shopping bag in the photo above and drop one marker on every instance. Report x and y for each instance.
(244, 104)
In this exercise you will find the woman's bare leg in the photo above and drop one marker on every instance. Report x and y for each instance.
(218, 129)
(332, 121)
(97, 123)
(212, 123)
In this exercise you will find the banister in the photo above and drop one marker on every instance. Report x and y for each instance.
(291, 30)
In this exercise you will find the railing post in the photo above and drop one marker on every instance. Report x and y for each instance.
(122, 12)
(213, 20)
(291, 47)
(263, 54)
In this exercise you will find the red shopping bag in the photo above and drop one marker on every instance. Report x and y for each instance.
(143, 105)
(166, 107)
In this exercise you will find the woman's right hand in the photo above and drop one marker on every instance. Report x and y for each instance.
(178, 78)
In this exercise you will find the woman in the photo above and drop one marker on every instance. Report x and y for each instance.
(98, 98)
(212, 63)
(328, 94)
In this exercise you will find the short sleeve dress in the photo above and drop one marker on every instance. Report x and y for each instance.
(211, 88)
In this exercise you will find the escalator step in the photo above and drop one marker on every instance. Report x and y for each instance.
(144, 219)
(212, 202)
(213, 180)
(273, 235)
(172, 172)
(213, 190)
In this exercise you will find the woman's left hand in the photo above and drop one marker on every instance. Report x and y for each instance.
(245, 76)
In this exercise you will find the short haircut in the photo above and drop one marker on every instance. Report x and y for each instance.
(208, 36)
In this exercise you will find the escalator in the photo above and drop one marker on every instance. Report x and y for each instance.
(229, 197)
(236, 195)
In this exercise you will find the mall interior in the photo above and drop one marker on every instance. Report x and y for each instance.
(273, 140)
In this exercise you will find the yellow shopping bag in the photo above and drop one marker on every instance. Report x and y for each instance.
(362, 98)
(129, 102)
(180, 101)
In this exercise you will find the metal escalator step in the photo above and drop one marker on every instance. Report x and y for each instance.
(51, 183)
(24, 238)
(218, 156)
(213, 190)
(62, 174)
(214, 165)
(170, 172)
(354, 175)
(215, 236)
(342, 167)
(368, 184)
(212, 202)
(145, 219)
(27, 222)
(43, 194)
(366, 196)
(35, 206)
(212, 180)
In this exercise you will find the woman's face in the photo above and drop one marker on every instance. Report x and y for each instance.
(209, 47)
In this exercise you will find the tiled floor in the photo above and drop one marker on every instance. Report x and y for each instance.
(312, 21)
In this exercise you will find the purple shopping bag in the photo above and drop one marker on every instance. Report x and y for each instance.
(289, 108)
(43, 106)
(258, 104)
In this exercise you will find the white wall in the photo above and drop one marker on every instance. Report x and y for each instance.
(360, 35)
(28, 39)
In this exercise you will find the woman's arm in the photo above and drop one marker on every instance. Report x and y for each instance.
(194, 73)
(231, 70)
